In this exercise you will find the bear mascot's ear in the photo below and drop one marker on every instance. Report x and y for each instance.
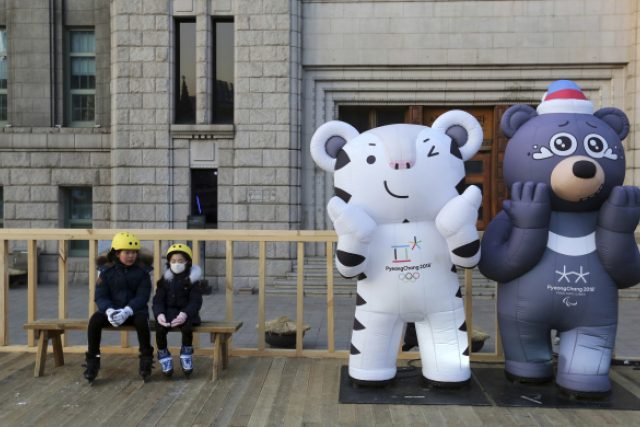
(327, 140)
(463, 129)
(615, 118)
(515, 117)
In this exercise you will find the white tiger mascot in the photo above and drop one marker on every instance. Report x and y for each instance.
(402, 228)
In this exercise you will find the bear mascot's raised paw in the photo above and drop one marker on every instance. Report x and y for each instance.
(564, 242)
(402, 227)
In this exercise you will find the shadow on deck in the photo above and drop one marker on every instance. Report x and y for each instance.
(253, 391)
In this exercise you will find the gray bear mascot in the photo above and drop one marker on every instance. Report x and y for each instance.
(564, 242)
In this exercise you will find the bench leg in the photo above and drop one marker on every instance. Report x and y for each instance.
(41, 354)
(217, 356)
(56, 342)
(224, 347)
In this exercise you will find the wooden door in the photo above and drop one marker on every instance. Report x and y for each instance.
(481, 167)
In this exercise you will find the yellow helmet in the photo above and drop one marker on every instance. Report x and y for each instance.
(179, 247)
(125, 241)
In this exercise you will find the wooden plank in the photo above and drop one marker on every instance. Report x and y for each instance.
(62, 282)
(56, 343)
(313, 236)
(241, 398)
(4, 292)
(261, 293)
(157, 259)
(294, 414)
(262, 410)
(468, 305)
(312, 408)
(218, 403)
(229, 278)
(41, 355)
(300, 300)
(182, 411)
(93, 276)
(32, 287)
(277, 416)
(331, 339)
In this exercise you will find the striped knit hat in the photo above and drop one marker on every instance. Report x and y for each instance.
(564, 96)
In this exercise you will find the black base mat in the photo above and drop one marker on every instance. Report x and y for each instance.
(506, 393)
(407, 389)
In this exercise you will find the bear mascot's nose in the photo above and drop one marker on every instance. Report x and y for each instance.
(584, 169)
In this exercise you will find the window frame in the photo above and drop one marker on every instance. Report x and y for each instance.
(77, 248)
(69, 92)
(178, 76)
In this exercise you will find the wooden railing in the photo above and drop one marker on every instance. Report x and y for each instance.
(229, 237)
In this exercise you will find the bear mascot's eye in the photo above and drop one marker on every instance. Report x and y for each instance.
(595, 145)
(563, 144)
(371, 159)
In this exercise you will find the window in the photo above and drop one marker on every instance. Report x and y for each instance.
(204, 195)
(81, 77)
(223, 75)
(77, 207)
(3, 75)
(185, 85)
(365, 117)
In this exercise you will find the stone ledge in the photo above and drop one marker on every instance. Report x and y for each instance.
(193, 131)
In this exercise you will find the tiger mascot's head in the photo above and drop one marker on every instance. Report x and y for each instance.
(400, 172)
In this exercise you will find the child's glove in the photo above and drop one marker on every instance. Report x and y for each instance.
(179, 320)
(110, 313)
(121, 316)
(162, 320)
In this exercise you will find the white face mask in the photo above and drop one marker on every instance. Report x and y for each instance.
(177, 267)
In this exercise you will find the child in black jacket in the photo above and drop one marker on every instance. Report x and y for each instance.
(122, 293)
(176, 304)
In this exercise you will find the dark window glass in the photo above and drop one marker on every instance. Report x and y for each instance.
(186, 72)
(358, 117)
(223, 72)
(368, 117)
(78, 207)
(204, 195)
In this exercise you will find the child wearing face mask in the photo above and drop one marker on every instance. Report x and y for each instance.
(176, 304)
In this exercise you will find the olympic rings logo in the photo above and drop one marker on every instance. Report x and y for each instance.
(409, 277)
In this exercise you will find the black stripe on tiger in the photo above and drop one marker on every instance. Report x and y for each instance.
(463, 327)
(344, 195)
(348, 259)
(466, 352)
(354, 350)
(468, 250)
(459, 293)
(360, 300)
(357, 326)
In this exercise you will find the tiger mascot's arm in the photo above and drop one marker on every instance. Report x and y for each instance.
(457, 224)
(355, 229)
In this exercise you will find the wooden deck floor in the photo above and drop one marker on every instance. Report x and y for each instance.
(254, 391)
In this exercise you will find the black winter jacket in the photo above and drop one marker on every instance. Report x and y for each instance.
(119, 286)
(179, 292)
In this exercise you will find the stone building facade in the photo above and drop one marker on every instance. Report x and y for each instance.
(297, 64)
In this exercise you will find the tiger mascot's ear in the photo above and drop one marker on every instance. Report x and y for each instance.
(463, 129)
(327, 141)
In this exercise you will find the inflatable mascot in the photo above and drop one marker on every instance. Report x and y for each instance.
(564, 243)
(402, 226)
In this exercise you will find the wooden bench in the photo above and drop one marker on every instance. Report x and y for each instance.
(46, 329)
